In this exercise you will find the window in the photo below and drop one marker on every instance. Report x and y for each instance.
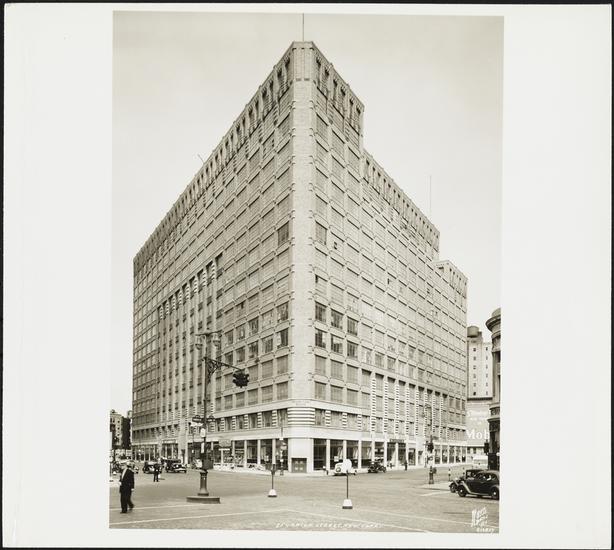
(320, 391)
(320, 365)
(336, 319)
(253, 350)
(336, 370)
(352, 326)
(267, 369)
(252, 398)
(336, 394)
(267, 316)
(267, 344)
(283, 234)
(229, 338)
(267, 395)
(352, 374)
(240, 332)
(282, 312)
(321, 208)
(320, 416)
(320, 342)
(320, 233)
(352, 397)
(320, 312)
(282, 390)
(253, 326)
(352, 350)
(282, 338)
(336, 344)
(365, 400)
(240, 355)
(336, 293)
(282, 364)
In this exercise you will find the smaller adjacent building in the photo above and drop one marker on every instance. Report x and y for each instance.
(494, 423)
(119, 434)
(479, 365)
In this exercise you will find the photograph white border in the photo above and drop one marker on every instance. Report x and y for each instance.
(556, 280)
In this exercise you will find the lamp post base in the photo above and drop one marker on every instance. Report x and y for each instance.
(347, 504)
(203, 494)
(272, 493)
(204, 499)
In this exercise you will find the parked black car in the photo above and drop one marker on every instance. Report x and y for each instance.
(376, 467)
(177, 468)
(485, 483)
(468, 474)
(170, 464)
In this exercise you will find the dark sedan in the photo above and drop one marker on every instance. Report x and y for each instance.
(177, 468)
(468, 474)
(485, 483)
(376, 467)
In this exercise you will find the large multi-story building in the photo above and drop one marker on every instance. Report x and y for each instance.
(494, 421)
(479, 365)
(324, 282)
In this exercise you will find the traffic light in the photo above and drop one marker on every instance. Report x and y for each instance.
(429, 447)
(486, 446)
(240, 378)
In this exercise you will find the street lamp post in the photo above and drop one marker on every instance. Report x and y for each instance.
(206, 370)
(209, 367)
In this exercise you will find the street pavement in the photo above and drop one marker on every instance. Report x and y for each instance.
(395, 501)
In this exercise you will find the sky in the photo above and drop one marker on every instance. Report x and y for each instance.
(432, 91)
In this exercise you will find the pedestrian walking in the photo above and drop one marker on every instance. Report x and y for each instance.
(126, 484)
(156, 472)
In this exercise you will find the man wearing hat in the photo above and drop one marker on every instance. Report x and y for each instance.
(126, 484)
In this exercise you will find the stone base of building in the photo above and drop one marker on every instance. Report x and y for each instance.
(311, 454)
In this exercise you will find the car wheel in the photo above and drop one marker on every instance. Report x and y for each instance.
(461, 491)
(452, 489)
(494, 493)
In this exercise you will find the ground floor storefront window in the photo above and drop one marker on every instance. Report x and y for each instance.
(401, 454)
(352, 452)
(239, 454)
(252, 451)
(336, 452)
(266, 451)
(391, 455)
(319, 454)
(379, 450)
(365, 453)
(411, 457)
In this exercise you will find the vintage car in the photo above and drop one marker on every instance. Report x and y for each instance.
(376, 467)
(485, 483)
(148, 466)
(177, 468)
(468, 474)
(170, 463)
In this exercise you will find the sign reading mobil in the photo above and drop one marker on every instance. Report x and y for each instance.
(477, 422)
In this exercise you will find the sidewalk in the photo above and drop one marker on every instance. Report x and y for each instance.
(438, 486)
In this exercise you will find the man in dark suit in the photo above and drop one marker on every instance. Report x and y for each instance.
(126, 484)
